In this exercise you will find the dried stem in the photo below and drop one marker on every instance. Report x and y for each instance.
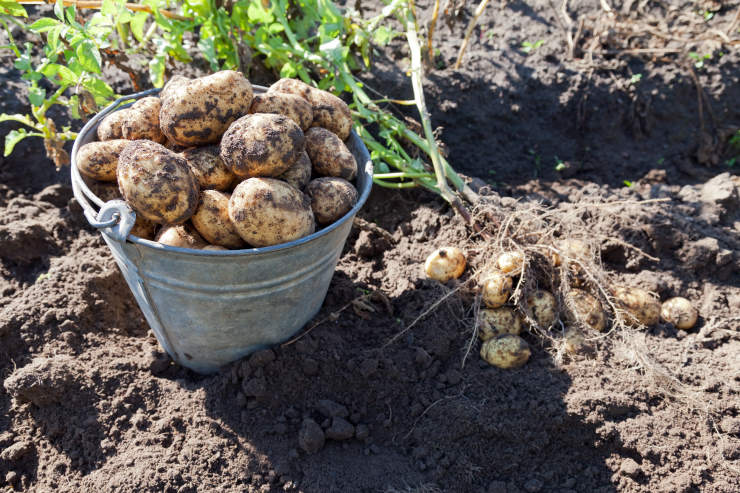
(469, 32)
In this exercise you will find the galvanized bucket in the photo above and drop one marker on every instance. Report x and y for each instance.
(208, 308)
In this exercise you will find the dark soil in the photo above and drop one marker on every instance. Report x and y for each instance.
(90, 403)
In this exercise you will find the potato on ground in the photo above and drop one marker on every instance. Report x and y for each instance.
(266, 211)
(496, 289)
(99, 160)
(299, 174)
(199, 112)
(679, 312)
(575, 249)
(331, 113)
(329, 156)
(510, 262)
(544, 308)
(506, 351)
(157, 183)
(208, 167)
(642, 308)
(143, 228)
(211, 219)
(110, 127)
(292, 86)
(142, 121)
(444, 264)
(331, 198)
(498, 321)
(575, 341)
(281, 103)
(262, 144)
(181, 236)
(585, 308)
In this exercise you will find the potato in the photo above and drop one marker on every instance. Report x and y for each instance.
(208, 167)
(575, 341)
(99, 160)
(175, 147)
(211, 219)
(544, 308)
(157, 183)
(143, 228)
(641, 307)
(174, 83)
(498, 321)
(262, 144)
(281, 103)
(299, 174)
(575, 249)
(586, 309)
(329, 156)
(679, 312)
(331, 198)
(331, 113)
(510, 262)
(496, 289)
(506, 351)
(142, 121)
(266, 211)
(110, 127)
(444, 264)
(199, 111)
(292, 86)
(182, 236)
(214, 247)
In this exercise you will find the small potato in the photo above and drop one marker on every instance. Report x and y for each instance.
(575, 341)
(544, 308)
(679, 312)
(142, 121)
(587, 309)
(143, 228)
(444, 264)
(331, 198)
(214, 247)
(331, 113)
(182, 236)
(208, 167)
(506, 351)
(575, 249)
(510, 262)
(294, 107)
(110, 127)
(498, 321)
(292, 86)
(496, 289)
(99, 160)
(211, 219)
(329, 156)
(198, 111)
(157, 183)
(642, 308)
(299, 174)
(262, 144)
(266, 211)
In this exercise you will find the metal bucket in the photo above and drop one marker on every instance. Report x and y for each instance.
(208, 308)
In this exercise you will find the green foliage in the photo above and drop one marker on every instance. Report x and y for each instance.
(700, 59)
(529, 47)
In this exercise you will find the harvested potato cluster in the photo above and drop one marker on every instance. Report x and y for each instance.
(211, 165)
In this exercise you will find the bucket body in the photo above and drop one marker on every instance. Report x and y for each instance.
(208, 308)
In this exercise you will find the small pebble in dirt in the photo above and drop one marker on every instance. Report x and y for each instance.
(311, 437)
(332, 409)
(11, 477)
(16, 451)
(533, 485)
(340, 429)
(629, 467)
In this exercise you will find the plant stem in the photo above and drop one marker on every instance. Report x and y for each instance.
(469, 32)
(430, 34)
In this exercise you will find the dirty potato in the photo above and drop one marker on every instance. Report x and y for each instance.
(211, 219)
(585, 308)
(331, 198)
(99, 160)
(444, 264)
(110, 127)
(173, 84)
(157, 183)
(498, 321)
(642, 308)
(292, 86)
(506, 351)
(496, 289)
(199, 112)
(331, 113)
(208, 167)
(266, 211)
(182, 236)
(510, 262)
(329, 156)
(143, 228)
(142, 121)
(575, 341)
(262, 144)
(281, 103)
(679, 312)
(299, 174)
(544, 308)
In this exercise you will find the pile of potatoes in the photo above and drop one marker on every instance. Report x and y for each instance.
(210, 165)
(500, 325)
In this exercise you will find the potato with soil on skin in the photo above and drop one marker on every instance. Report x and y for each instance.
(211, 220)
(575, 249)
(299, 174)
(679, 312)
(544, 308)
(142, 121)
(282, 103)
(642, 308)
(208, 167)
(506, 351)
(143, 228)
(99, 160)
(181, 236)
(157, 183)
(329, 156)
(173, 84)
(496, 289)
(292, 86)
(510, 262)
(586, 308)
(575, 341)
(331, 113)
(444, 264)
(262, 144)
(199, 112)
(331, 198)
(266, 211)
(110, 128)
(498, 321)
